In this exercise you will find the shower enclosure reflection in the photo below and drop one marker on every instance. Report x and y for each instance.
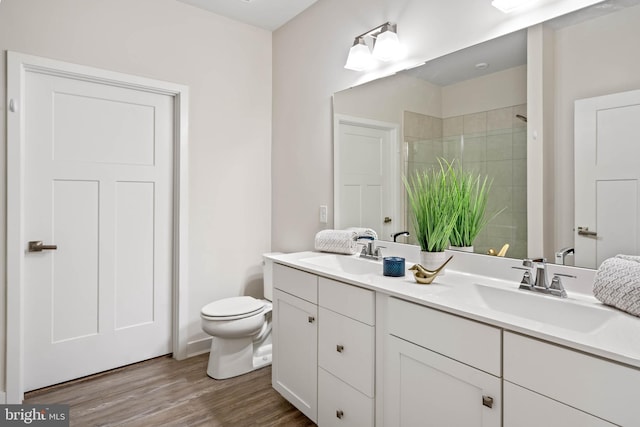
(490, 143)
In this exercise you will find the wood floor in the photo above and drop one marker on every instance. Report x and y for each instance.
(166, 392)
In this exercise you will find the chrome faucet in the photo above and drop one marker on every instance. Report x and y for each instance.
(540, 283)
(396, 235)
(562, 254)
(369, 250)
(540, 265)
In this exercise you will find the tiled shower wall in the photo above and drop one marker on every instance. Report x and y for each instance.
(491, 143)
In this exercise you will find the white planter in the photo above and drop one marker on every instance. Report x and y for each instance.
(433, 260)
(461, 248)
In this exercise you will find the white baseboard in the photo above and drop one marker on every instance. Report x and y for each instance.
(197, 347)
(3, 398)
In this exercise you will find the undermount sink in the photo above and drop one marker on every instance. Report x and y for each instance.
(346, 264)
(569, 314)
(545, 309)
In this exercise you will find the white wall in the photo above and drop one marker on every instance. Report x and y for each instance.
(309, 53)
(496, 90)
(591, 60)
(386, 99)
(227, 66)
(540, 141)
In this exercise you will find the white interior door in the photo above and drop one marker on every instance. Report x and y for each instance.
(98, 184)
(366, 168)
(607, 172)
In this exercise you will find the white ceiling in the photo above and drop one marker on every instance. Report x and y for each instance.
(267, 14)
(503, 52)
(499, 54)
(591, 12)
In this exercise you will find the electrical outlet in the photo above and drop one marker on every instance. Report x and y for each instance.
(323, 214)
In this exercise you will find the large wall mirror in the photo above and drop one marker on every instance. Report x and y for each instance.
(486, 108)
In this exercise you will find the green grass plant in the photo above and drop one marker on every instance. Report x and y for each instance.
(473, 192)
(435, 205)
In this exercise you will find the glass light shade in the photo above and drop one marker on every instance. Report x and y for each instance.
(507, 6)
(387, 46)
(359, 58)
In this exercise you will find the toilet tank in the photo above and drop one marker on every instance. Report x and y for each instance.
(267, 270)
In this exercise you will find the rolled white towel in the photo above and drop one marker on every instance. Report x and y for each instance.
(617, 283)
(633, 258)
(337, 241)
(364, 232)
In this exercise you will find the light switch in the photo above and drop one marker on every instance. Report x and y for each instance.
(323, 214)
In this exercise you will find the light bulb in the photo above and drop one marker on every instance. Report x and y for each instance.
(387, 45)
(359, 58)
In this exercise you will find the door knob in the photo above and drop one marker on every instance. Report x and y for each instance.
(387, 220)
(584, 231)
(38, 246)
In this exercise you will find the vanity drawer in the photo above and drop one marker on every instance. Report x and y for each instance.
(341, 404)
(295, 282)
(524, 408)
(352, 301)
(346, 348)
(467, 341)
(605, 389)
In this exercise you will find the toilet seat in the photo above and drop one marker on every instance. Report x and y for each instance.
(232, 308)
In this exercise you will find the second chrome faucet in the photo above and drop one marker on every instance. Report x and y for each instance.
(370, 250)
(539, 282)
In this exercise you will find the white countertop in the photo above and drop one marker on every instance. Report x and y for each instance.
(617, 338)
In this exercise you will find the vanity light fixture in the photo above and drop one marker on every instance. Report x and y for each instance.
(386, 47)
(360, 57)
(508, 6)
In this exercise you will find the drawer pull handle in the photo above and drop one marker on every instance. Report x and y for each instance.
(339, 414)
(339, 348)
(312, 319)
(487, 401)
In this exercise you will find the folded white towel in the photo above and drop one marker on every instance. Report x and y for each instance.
(633, 258)
(337, 241)
(364, 232)
(617, 283)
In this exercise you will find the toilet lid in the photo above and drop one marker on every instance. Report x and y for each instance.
(234, 306)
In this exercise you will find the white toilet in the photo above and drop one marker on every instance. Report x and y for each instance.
(241, 331)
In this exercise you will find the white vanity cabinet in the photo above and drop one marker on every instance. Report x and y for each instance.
(565, 387)
(525, 408)
(295, 338)
(440, 369)
(346, 355)
(324, 347)
(349, 355)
